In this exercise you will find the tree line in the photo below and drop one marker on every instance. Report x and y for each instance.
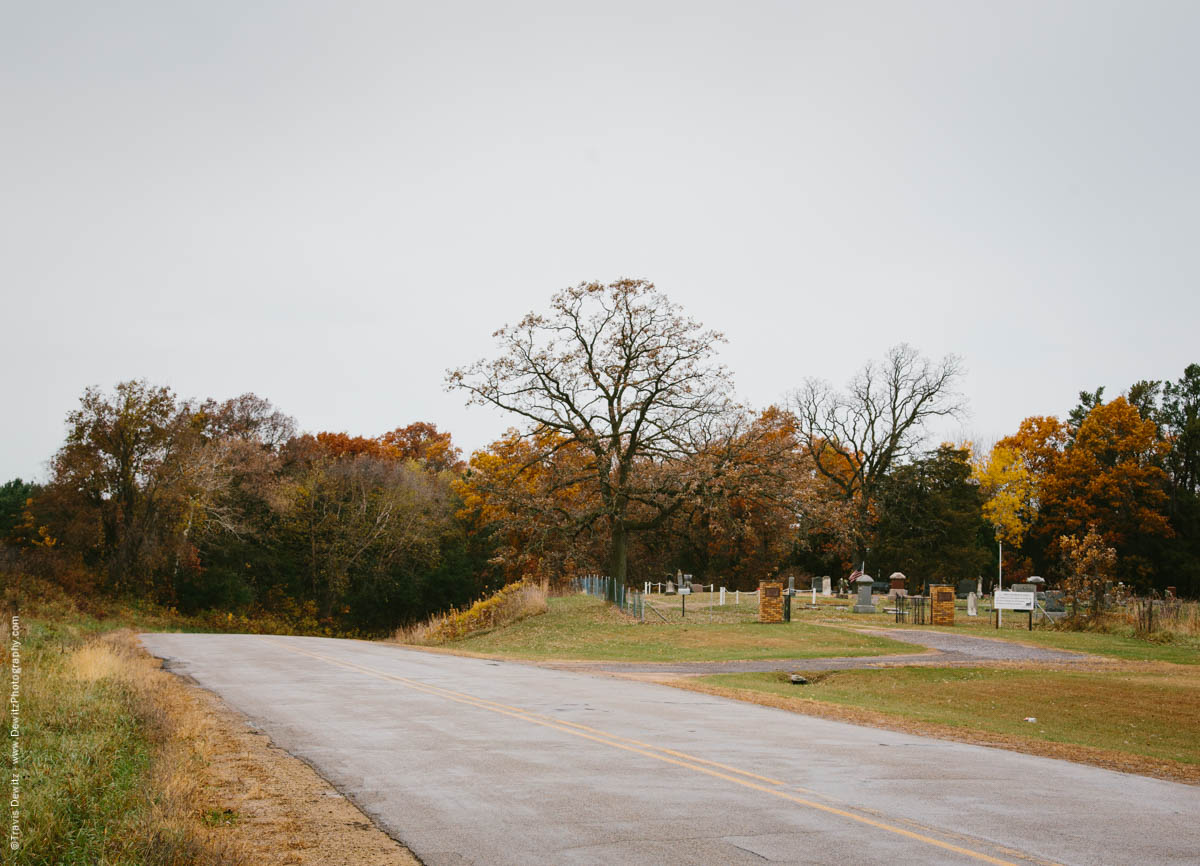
(631, 455)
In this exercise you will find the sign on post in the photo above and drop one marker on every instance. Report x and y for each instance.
(1011, 600)
(1006, 600)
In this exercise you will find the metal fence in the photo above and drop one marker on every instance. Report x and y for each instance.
(628, 600)
(912, 609)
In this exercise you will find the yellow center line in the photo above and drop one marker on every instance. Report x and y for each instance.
(688, 761)
(530, 715)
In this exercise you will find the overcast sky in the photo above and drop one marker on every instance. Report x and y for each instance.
(329, 204)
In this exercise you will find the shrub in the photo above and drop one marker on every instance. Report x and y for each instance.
(512, 603)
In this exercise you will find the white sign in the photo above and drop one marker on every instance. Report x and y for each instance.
(1006, 600)
(685, 590)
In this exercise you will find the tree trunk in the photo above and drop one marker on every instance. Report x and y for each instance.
(617, 558)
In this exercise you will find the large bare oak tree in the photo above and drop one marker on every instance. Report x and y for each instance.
(618, 373)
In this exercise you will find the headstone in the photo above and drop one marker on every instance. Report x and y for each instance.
(826, 587)
(670, 588)
(864, 604)
(770, 601)
(722, 595)
(979, 587)
(941, 605)
(972, 604)
(897, 585)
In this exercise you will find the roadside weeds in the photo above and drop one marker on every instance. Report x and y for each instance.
(131, 765)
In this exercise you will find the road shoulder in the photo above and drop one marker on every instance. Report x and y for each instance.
(274, 808)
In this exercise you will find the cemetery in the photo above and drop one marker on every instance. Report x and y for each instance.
(854, 648)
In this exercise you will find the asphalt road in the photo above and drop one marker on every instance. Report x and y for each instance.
(475, 761)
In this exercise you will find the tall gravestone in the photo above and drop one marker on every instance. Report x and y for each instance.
(864, 604)
(826, 586)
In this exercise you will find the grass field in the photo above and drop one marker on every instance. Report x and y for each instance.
(1155, 714)
(579, 627)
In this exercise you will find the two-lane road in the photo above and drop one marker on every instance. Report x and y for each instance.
(474, 761)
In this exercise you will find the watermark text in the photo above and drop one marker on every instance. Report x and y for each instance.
(14, 734)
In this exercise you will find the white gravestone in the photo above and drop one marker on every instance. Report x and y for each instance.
(972, 609)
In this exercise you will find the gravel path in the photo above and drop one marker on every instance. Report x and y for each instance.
(941, 649)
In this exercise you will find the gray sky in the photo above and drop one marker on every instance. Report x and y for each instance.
(329, 204)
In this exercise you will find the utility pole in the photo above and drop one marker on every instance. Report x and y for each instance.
(999, 577)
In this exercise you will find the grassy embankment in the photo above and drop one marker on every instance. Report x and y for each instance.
(123, 764)
(109, 753)
(579, 627)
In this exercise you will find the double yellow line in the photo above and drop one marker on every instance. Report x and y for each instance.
(717, 770)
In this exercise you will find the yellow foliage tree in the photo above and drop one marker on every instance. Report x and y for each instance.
(1009, 493)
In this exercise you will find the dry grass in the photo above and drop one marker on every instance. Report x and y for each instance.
(128, 764)
(1173, 620)
(113, 758)
(509, 605)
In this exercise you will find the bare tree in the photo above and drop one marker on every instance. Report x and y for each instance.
(618, 374)
(854, 438)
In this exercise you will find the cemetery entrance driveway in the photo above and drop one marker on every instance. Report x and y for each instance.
(469, 760)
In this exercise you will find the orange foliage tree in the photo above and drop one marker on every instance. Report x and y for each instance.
(1110, 478)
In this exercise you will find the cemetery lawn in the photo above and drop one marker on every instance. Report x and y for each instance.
(582, 628)
(1152, 712)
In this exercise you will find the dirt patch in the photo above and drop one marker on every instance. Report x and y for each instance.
(285, 813)
(1110, 760)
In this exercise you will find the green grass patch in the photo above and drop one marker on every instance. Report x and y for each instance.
(221, 817)
(579, 627)
(85, 758)
(106, 770)
(1155, 715)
